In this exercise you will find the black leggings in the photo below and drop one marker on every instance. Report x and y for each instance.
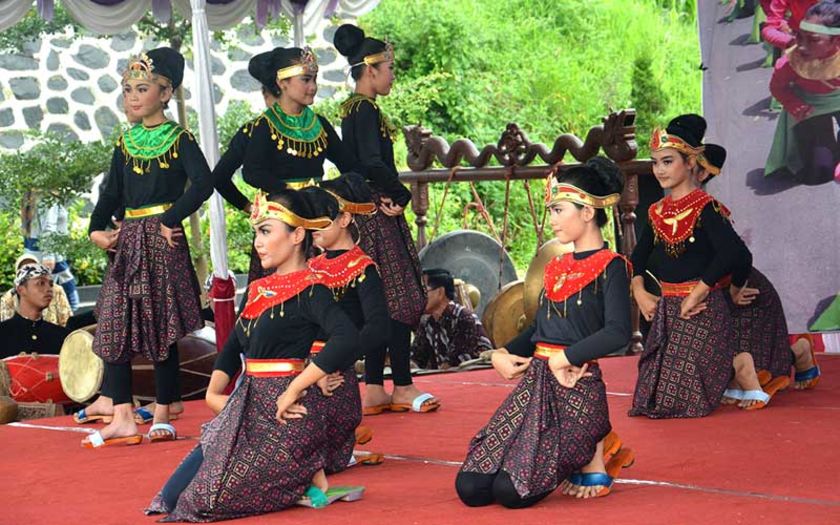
(117, 380)
(478, 490)
(818, 148)
(399, 347)
(182, 477)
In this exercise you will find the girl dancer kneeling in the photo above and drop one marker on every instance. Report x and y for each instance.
(691, 247)
(354, 280)
(260, 453)
(554, 422)
(760, 326)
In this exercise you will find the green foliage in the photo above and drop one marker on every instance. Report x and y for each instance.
(86, 259)
(465, 68)
(56, 169)
(240, 234)
(11, 247)
(238, 113)
(32, 26)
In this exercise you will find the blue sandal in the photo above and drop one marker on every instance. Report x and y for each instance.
(593, 479)
(143, 416)
(811, 376)
(81, 417)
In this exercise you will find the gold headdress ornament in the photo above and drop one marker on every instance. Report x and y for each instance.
(708, 166)
(387, 55)
(556, 191)
(355, 208)
(141, 67)
(263, 209)
(308, 65)
(661, 139)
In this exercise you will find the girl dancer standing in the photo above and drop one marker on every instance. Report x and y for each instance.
(384, 236)
(150, 297)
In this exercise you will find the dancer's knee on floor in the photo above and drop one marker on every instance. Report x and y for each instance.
(474, 489)
(506, 495)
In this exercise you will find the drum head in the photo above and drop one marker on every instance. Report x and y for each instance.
(79, 368)
(504, 317)
(473, 257)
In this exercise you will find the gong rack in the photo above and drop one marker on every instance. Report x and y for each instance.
(463, 162)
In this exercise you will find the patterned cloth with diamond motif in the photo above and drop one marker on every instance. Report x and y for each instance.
(687, 363)
(543, 431)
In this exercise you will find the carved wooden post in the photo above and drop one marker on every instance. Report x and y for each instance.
(420, 207)
(627, 206)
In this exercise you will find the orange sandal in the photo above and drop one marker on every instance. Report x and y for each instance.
(96, 440)
(363, 434)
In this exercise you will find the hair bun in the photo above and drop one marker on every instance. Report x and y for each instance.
(692, 123)
(348, 39)
(609, 176)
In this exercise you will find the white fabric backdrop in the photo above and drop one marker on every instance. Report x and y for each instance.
(207, 130)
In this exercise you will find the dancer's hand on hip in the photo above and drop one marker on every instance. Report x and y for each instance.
(288, 407)
(330, 383)
(743, 296)
(171, 234)
(106, 240)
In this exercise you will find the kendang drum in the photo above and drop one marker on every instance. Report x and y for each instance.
(33, 378)
(82, 370)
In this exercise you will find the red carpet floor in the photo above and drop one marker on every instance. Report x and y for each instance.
(774, 466)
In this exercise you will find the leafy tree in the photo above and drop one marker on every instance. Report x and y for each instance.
(57, 170)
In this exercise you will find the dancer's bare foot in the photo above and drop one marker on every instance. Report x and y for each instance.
(803, 360)
(596, 465)
(103, 406)
(745, 376)
(405, 395)
(319, 480)
(375, 395)
(733, 385)
(161, 416)
(175, 408)
(122, 425)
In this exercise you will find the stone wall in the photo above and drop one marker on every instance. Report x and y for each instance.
(72, 86)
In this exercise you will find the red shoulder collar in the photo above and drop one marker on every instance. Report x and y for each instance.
(673, 221)
(566, 276)
(273, 290)
(340, 271)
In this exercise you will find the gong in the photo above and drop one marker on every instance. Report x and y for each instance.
(536, 272)
(473, 257)
(504, 317)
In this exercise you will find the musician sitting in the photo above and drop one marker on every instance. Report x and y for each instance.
(449, 333)
(58, 312)
(27, 331)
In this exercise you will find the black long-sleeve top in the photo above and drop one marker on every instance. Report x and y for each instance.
(124, 188)
(363, 132)
(232, 159)
(364, 303)
(716, 252)
(598, 326)
(268, 168)
(290, 336)
(19, 334)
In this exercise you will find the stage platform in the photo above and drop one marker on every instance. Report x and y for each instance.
(773, 466)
